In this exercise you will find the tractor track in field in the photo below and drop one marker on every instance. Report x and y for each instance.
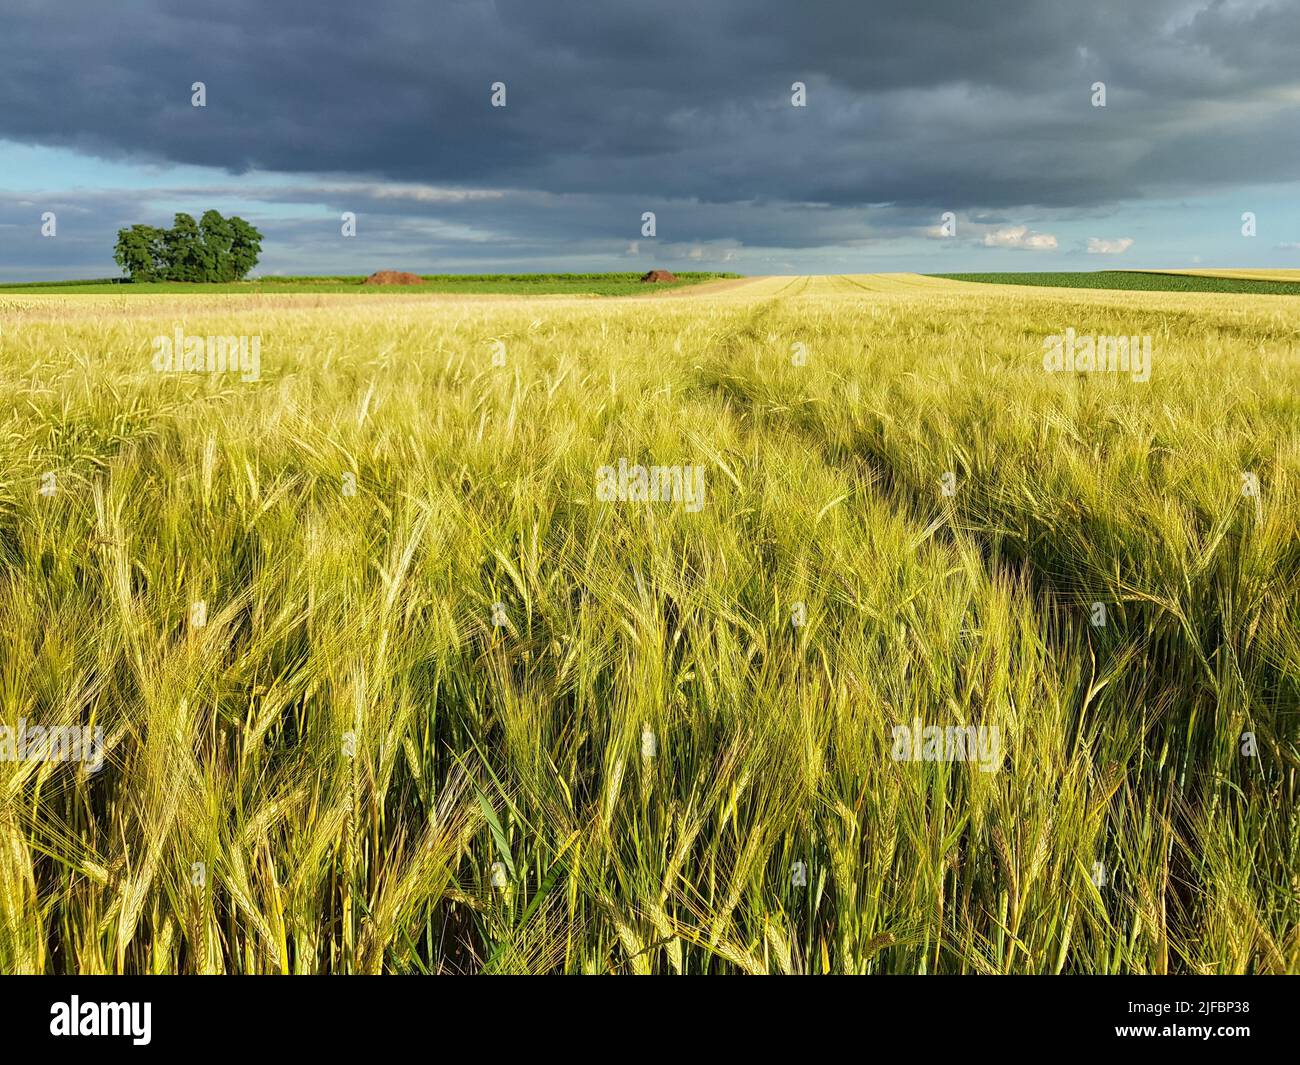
(916, 507)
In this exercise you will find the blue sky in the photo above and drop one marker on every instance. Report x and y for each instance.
(910, 111)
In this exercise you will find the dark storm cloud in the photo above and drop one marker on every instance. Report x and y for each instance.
(949, 105)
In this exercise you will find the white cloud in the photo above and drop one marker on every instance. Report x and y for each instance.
(417, 193)
(1019, 237)
(1108, 245)
(1289, 245)
(712, 251)
(633, 248)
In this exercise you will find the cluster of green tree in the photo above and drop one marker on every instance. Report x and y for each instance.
(211, 249)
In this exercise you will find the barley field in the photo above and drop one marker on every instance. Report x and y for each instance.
(385, 686)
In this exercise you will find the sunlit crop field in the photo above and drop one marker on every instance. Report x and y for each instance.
(387, 686)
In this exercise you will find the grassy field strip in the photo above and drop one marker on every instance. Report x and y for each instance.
(1208, 283)
(411, 732)
(455, 284)
(1245, 275)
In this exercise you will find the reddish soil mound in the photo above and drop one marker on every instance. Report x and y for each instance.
(393, 277)
(658, 275)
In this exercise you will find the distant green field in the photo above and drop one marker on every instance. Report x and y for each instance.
(1138, 280)
(518, 284)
